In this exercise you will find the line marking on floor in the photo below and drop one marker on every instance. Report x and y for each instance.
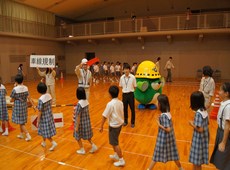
(42, 157)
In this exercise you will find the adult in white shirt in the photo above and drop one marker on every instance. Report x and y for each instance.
(128, 85)
(207, 85)
(84, 76)
(49, 75)
(169, 66)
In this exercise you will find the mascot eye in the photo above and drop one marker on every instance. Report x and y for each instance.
(156, 86)
(154, 69)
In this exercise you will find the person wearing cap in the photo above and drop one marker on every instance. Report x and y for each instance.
(84, 76)
(207, 86)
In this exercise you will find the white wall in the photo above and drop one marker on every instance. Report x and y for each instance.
(188, 53)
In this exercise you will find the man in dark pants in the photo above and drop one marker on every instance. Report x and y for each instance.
(128, 85)
(169, 66)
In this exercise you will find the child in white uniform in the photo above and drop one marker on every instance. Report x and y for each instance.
(221, 153)
(114, 113)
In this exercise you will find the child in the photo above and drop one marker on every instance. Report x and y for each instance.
(82, 124)
(114, 113)
(207, 85)
(49, 75)
(19, 96)
(3, 110)
(45, 121)
(221, 153)
(165, 149)
(134, 68)
(200, 139)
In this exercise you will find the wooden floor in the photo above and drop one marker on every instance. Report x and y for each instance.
(136, 143)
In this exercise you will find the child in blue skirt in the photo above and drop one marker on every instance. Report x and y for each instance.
(4, 118)
(19, 96)
(200, 139)
(45, 122)
(165, 148)
(82, 126)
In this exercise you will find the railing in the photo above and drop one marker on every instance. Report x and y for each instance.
(25, 27)
(164, 23)
(151, 24)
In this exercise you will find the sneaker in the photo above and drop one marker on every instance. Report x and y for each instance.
(28, 137)
(54, 145)
(81, 151)
(93, 149)
(20, 136)
(1, 130)
(132, 125)
(121, 162)
(115, 156)
(43, 144)
(5, 133)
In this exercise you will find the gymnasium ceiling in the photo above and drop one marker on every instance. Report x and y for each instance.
(82, 10)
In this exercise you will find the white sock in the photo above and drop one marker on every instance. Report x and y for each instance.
(28, 136)
(6, 130)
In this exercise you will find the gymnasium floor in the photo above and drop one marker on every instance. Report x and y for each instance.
(136, 143)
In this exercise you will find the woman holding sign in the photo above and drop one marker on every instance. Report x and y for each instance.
(49, 75)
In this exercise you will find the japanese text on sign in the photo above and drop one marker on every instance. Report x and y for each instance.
(42, 61)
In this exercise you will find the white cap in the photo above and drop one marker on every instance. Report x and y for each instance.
(84, 61)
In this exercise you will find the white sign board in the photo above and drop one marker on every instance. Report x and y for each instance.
(42, 61)
(58, 121)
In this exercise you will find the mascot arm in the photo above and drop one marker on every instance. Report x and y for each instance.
(142, 85)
